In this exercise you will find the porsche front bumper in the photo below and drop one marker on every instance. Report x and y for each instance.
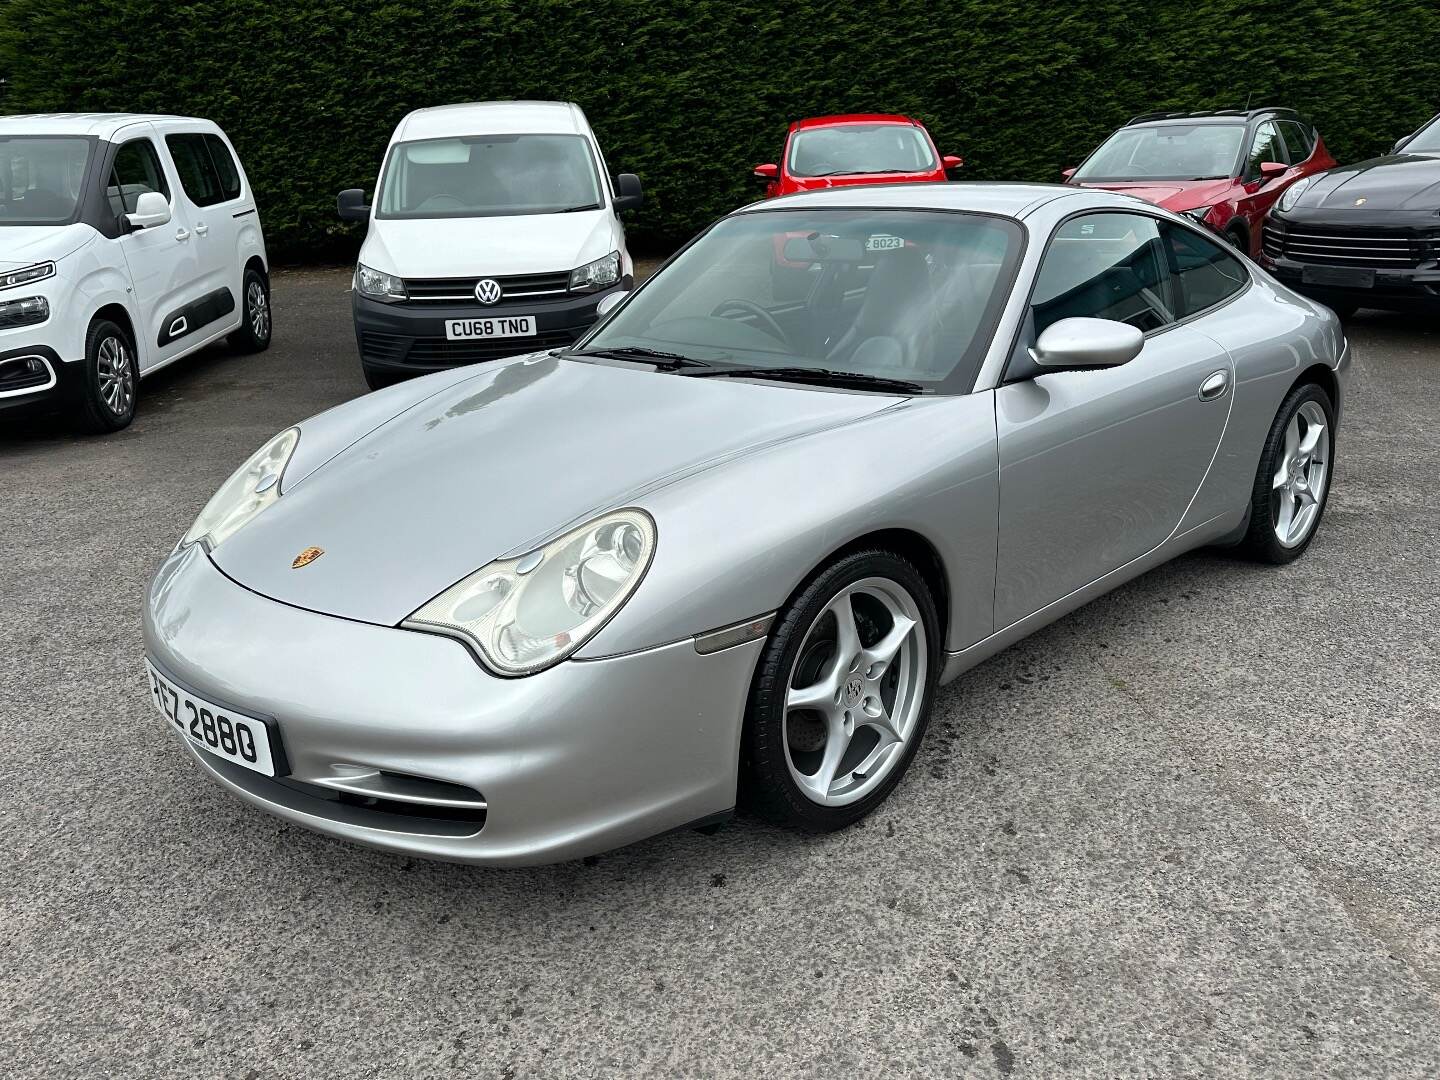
(585, 757)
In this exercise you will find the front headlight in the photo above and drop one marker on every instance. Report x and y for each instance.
(250, 489)
(523, 615)
(384, 287)
(597, 274)
(1293, 192)
(25, 275)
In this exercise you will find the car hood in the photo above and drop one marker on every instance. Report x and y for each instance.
(1176, 195)
(468, 247)
(495, 464)
(21, 245)
(1394, 182)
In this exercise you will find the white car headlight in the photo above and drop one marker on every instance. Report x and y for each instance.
(597, 274)
(1292, 194)
(523, 615)
(27, 274)
(379, 286)
(250, 489)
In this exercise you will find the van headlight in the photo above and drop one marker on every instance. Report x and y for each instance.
(1292, 194)
(597, 274)
(26, 275)
(24, 312)
(250, 489)
(386, 288)
(523, 615)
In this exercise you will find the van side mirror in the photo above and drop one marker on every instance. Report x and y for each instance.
(629, 195)
(951, 162)
(1068, 173)
(766, 173)
(151, 209)
(1269, 170)
(608, 303)
(351, 206)
(1399, 145)
(1076, 344)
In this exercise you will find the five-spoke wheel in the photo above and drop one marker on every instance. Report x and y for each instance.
(1293, 478)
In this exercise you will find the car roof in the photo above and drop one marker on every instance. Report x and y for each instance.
(100, 125)
(493, 118)
(1006, 199)
(1212, 116)
(852, 118)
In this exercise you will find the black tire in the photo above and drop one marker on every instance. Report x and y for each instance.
(1260, 542)
(766, 785)
(257, 321)
(1238, 240)
(1344, 309)
(111, 379)
(379, 380)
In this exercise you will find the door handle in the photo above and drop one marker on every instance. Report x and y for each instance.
(183, 235)
(1215, 385)
(201, 229)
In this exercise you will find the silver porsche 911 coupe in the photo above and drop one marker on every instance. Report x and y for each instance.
(724, 549)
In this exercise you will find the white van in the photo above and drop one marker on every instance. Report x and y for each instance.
(495, 230)
(126, 242)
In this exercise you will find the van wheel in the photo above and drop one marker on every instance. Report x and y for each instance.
(254, 333)
(112, 378)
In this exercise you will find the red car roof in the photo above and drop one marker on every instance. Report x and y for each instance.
(854, 118)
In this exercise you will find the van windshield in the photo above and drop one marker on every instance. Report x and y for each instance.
(42, 178)
(488, 176)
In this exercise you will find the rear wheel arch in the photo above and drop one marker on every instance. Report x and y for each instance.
(1323, 376)
(258, 265)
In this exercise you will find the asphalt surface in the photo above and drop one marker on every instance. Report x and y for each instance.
(1191, 830)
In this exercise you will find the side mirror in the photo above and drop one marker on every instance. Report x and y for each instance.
(1068, 173)
(1399, 145)
(151, 209)
(766, 173)
(1072, 344)
(628, 193)
(1269, 170)
(609, 302)
(952, 162)
(351, 206)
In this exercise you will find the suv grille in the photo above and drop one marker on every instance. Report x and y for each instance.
(1331, 246)
(440, 352)
(462, 290)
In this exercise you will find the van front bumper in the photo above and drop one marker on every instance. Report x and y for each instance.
(34, 380)
(409, 338)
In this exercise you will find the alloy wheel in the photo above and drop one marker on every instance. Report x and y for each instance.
(1298, 487)
(856, 692)
(115, 376)
(257, 305)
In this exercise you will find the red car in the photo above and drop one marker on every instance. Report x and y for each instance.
(859, 148)
(1225, 168)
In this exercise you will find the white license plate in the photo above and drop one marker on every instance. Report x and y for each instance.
(225, 733)
(497, 326)
(884, 243)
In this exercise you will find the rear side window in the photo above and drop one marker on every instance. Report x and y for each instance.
(136, 171)
(1298, 140)
(225, 169)
(1204, 272)
(1105, 266)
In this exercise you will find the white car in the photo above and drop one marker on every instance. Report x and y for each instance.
(495, 231)
(126, 242)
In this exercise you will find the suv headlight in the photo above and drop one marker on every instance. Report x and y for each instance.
(523, 615)
(1292, 194)
(384, 287)
(250, 489)
(597, 274)
(27, 274)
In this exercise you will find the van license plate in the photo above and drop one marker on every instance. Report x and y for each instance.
(498, 326)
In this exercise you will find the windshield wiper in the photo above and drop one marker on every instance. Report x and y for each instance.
(667, 361)
(576, 209)
(822, 376)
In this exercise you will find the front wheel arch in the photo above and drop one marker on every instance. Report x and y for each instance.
(909, 545)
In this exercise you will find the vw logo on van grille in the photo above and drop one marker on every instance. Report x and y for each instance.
(487, 290)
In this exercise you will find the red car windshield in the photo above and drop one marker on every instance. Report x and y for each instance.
(1166, 152)
(853, 149)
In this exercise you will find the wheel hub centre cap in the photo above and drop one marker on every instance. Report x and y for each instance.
(854, 690)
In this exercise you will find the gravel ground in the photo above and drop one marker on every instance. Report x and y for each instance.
(1190, 830)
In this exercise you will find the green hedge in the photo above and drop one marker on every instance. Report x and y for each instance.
(691, 93)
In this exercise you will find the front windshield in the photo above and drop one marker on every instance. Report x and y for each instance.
(1427, 142)
(489, 176)
(1166, 152)
(911, 295)
(855, 149)
(42, 178)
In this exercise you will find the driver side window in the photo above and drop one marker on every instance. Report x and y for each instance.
(136, 171)
(1105, 266)
(1267, 146)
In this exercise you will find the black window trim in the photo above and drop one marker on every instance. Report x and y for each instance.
(1137, 211)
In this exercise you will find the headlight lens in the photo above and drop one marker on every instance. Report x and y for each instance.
(25, 275)
(597, 274)
(523, 615)
(1293, 192)
(26, 312)
(378, 286)
(250, 489)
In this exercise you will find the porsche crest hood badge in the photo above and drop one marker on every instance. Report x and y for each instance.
(306, 557)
